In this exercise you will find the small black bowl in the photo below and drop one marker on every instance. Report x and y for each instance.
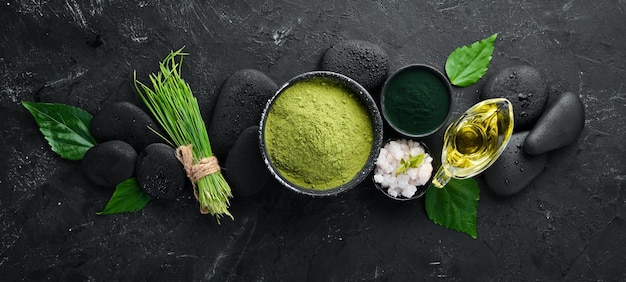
(414, 69)
(421, 190)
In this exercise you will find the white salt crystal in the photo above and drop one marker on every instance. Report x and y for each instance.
(403, 180)
(404, 147)
(378, 178)
(409, 191)
(388, 168)
(412, 172)
(424, 173)
(390, 158)
(395, 150)
(393, 192)
(386, 180)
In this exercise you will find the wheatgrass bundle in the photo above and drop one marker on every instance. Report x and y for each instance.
(176, 110)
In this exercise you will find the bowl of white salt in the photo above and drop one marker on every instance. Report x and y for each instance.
(403, 169)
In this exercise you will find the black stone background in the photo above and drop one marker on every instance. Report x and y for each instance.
(567, 225)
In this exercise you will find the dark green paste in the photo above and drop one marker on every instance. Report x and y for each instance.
(318, 134)
(416, 101)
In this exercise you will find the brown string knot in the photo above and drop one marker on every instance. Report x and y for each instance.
(195, 171)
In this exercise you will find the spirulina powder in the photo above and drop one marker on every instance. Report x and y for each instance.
(318, 134)
(416, 101)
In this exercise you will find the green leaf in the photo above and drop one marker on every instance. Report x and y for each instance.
(467, 64)
(66, 128)
(413, 162)
(454, 206)
(128, 197)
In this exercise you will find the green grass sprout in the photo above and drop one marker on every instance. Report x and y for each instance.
(175, 108)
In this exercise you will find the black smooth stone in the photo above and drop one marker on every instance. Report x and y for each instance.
(239, 105)
(524, 86)
(159, 172)
(127, 122)
(109, 163)
(244, 168)
(559, 126)
(514, 170)
(363, 61)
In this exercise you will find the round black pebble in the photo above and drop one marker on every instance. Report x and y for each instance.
(159, 172)
(244, 168)
(124, 121)
(514, 170)
(239, 105)
(524, 86)
(109, 163)
(365, 62)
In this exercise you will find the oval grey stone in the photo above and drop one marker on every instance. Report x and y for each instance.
(127, 122)
(159, 172)
(524, 86)
(109, 163)
(514, 170)
(559, 126)
(363, 61)
(239, 105)
(244, 168)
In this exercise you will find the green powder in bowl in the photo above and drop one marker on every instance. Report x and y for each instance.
(416, 100)
(320, 133)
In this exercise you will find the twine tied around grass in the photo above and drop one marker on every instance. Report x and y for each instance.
(195, 171)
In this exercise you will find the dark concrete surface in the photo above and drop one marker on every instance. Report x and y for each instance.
(569, 224)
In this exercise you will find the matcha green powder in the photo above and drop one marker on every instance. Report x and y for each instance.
(318, 135)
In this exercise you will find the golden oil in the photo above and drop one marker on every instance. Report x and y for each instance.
(474, 141)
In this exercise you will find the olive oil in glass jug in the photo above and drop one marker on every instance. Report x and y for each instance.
(474, 141)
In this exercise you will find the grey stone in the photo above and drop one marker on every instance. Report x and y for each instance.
(514, 170)
(159, 173)
(239, 105)
(127, 122)
(559, 126)
(363, 61)
(244, 168)
(109, 163)
(524, 86)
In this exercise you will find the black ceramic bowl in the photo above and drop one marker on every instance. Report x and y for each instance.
(421, 190)
(431, 84)
(368, 103)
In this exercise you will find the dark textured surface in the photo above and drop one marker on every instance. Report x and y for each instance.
(567, 225)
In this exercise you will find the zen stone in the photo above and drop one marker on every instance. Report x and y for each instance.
(244, 167)
(160, 173)
(524, 86)
(559, 126)
(365, 62)
(127, 122)
(239, 105)
(514, 170)
(109, 163)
